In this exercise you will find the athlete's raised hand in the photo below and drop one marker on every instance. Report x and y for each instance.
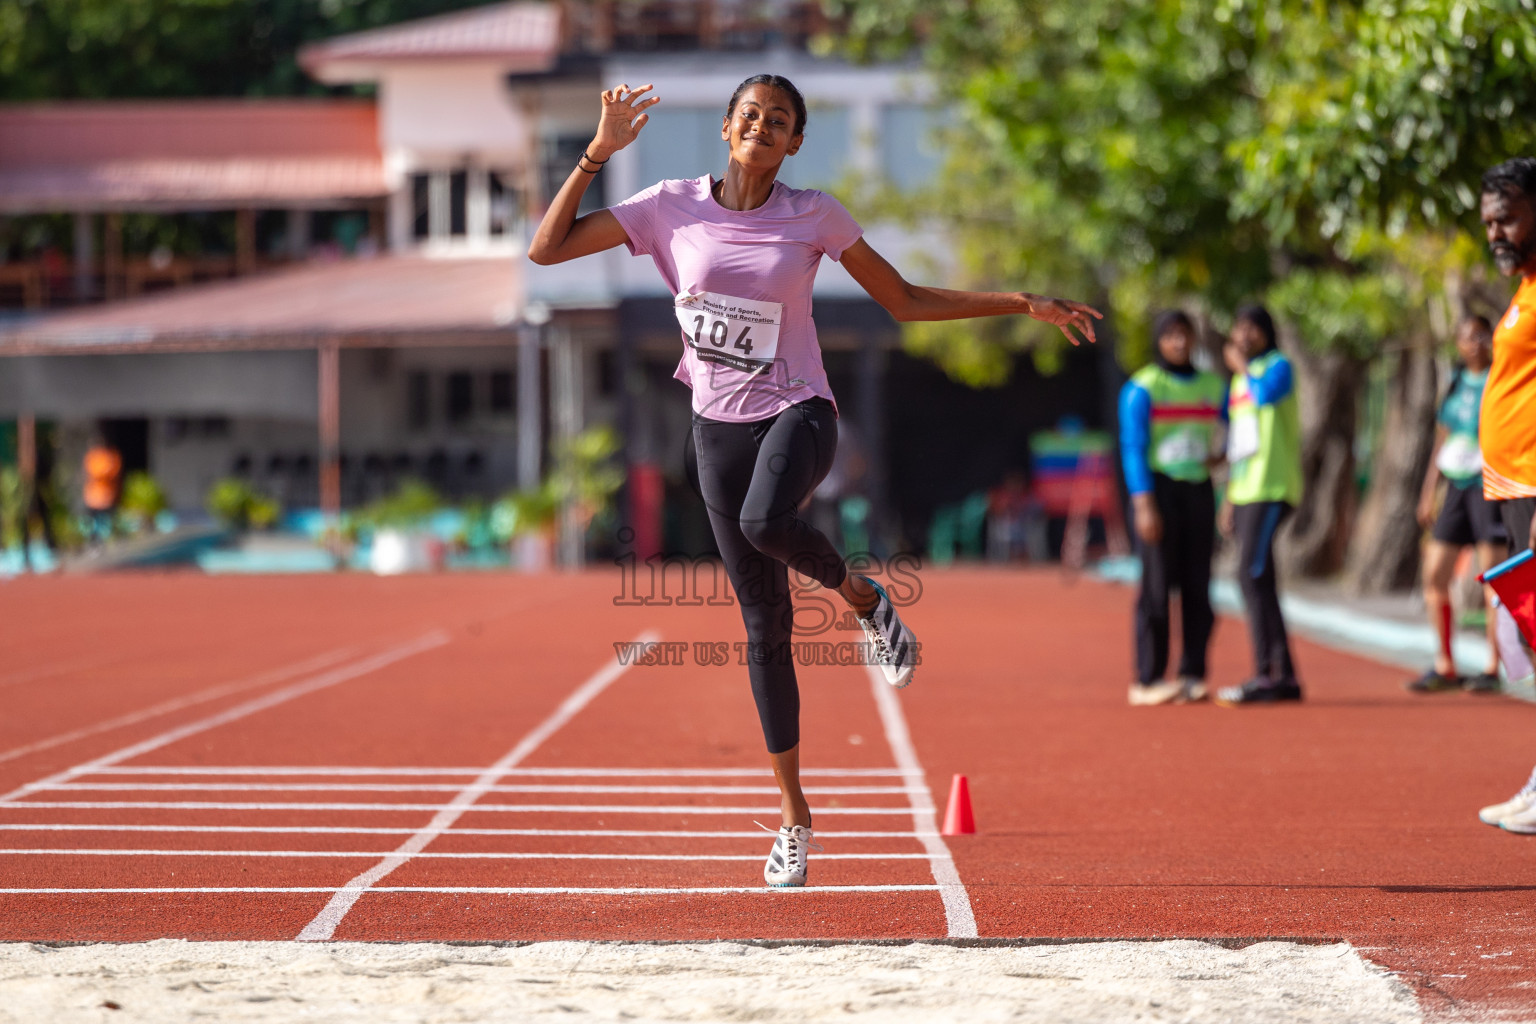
(1065, 314)
(621, 120)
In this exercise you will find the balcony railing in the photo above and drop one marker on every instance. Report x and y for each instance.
(604, 26)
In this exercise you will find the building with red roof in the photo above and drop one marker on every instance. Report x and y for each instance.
(388, 236)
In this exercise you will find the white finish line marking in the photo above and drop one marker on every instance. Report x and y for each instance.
(191, 699)
(325, 923)
(490, 890)
(434, 787)
(498, 855)
(210, 805)
(610, 833)
(957, 902)
(325, 679)
(596, 773)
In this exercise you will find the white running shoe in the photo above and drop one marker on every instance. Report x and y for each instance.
(1195, 690)
(1521, 822)
(1516, 806)
(894, 645)
(788, 861)
(1164, 691)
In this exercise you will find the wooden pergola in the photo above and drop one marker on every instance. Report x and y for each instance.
(98, 161)
(384, 302)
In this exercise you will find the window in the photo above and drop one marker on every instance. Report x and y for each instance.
(909, 151)
(504, 205)
(421, 219)
(463, 203)
(501, 391)
(682, 142)
(418, 399)
(823, 157)
(458, 197)
(461, 396)
(560, 156)
(607, 372)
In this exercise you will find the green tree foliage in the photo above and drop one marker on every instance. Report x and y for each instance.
(1210, 151)
(97, 49)
(1088, 155)
(1322, 157)
(1382, 116)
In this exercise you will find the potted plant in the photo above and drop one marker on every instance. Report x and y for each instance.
(142, 502)
(527, 518)
(400, 542)
(237, 506)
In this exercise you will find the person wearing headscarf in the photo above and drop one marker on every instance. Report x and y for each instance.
(1169, 413)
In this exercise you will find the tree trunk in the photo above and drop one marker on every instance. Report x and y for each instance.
(1328, 390)
(1384, 553)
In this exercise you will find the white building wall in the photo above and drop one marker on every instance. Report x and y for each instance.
(447, 110)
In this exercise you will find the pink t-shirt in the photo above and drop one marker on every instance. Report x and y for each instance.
(742, 284)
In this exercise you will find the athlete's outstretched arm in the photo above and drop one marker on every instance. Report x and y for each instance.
(906, 301)
(562, 235)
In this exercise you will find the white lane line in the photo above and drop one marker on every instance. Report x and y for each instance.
(330, 677)
(451, 855)
(617, 773)
(958, 914)
(61, 668)
(431, 787)
(190, 700)
(486, 890)
(214, 805)
(331, 915)
(303, 830)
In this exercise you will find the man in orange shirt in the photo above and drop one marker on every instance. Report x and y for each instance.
(1508, 431)
(1507, 434)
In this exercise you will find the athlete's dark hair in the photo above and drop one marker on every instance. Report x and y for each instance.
(774, 82)
(1484, 326)
(1260, 318)
(1516, 177)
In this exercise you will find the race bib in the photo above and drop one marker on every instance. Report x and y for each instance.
(1459, 457)
(1242, 438)
(740, 333)
(1182, 448)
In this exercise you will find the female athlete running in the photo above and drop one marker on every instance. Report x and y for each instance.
(740, 254)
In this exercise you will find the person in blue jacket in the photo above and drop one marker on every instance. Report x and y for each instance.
(1169, 416)
(1264, 486)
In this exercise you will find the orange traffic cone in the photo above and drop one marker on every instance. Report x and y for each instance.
(958, 820)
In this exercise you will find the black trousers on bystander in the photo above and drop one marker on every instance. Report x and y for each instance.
(1182, 560)
(1256, 525)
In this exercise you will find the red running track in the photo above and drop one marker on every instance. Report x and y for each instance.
(462, 758)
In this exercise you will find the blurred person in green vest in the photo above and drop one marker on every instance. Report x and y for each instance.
(1465, 518)
(1264, 487)
(1169, 415)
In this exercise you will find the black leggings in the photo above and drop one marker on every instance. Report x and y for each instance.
(754, 478)
(1256, 525)
(1183, 560)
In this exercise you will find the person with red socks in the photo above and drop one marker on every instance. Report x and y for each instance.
(1466, 518)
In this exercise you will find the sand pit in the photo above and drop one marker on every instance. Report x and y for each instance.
(1185, 981)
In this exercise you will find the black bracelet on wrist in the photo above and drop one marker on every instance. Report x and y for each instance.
(589, 160)
(583, 170)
